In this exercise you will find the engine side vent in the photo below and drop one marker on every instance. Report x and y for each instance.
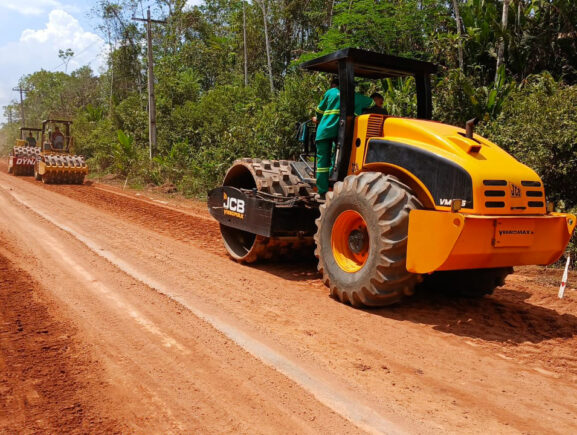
(531, 183)
(534, 193)
(494, 182)
(536, 204)
(494, 204)
(494, 193)
(375, 126)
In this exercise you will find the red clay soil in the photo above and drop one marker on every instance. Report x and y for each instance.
(504, 363)
(517, 317)
(187, 226)
(46, 382)
(164, 370)
(525, 312)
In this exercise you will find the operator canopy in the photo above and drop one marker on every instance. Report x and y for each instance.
(371, 65)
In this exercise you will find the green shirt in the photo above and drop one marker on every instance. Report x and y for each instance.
(329, 109)
(362, 102)
(328, 114)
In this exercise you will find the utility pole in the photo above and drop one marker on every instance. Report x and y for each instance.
(151, 98)
(19, 89)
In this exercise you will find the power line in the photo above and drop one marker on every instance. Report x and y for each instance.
(76, 55)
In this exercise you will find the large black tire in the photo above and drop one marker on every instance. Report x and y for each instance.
(469, 283)
(384, 203)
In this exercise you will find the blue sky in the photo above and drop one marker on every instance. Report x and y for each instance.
(32, 32)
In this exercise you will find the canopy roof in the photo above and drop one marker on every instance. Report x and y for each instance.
(56, 121)
(370, 64)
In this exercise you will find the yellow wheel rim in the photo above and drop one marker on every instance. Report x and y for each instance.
(350, 241)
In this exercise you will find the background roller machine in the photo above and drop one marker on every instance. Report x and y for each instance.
(413, 202)
(23, 156)
(56, 163)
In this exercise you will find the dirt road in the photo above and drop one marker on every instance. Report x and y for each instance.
(150, 327)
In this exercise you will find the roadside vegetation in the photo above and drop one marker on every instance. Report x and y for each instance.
(511, 63)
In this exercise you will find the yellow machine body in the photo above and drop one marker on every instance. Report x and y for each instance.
(61, 167)
(58, 164)
(499, 216)
(22, 157)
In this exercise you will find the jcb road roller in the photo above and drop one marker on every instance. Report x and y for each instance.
(412, 200)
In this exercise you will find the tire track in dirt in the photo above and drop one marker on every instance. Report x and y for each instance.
(43, 378)
(194, 227)
(516, 322)
(181, 226)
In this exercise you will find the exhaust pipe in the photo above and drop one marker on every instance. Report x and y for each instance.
(470, 126)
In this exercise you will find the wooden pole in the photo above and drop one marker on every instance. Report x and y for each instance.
(21, 91)
(151, 96)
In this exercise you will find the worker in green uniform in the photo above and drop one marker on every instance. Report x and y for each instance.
(30, 141)
(362, 102)
(328, 114)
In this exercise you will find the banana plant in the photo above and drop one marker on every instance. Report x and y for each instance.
(400, 96)
(124, 153)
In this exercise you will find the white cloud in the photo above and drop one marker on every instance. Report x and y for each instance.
(38, 49)
(30, 7)
(61, 31)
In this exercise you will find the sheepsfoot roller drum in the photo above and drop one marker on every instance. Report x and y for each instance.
(55, 168)
(22, 159)
(264, 211)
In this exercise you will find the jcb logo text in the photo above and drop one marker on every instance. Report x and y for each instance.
(233, 206)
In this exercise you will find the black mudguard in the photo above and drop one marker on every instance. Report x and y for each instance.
(233, 208)
(248, 212)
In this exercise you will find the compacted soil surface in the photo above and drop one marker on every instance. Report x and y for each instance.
(121, 312)
(47, 380)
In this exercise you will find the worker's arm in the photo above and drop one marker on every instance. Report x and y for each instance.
(320, 110)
